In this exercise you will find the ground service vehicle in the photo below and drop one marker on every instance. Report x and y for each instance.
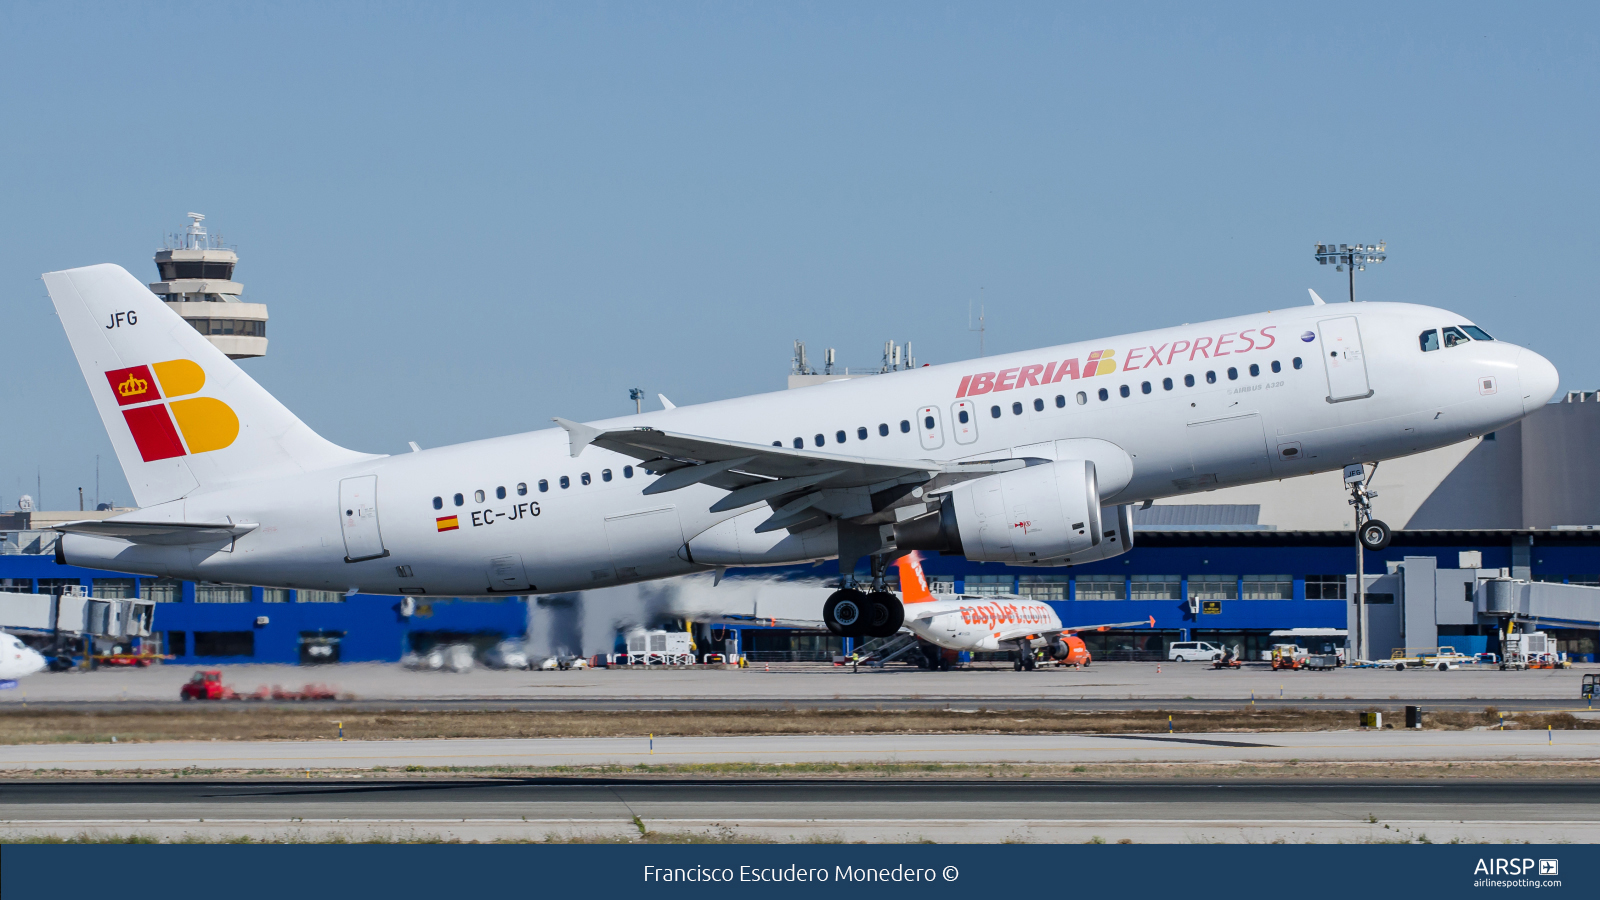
(205, 685)
(1183, 651)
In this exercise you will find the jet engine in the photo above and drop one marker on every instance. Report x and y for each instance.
(1046, 514)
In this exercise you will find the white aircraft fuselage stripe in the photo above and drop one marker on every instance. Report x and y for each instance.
(1273, 425)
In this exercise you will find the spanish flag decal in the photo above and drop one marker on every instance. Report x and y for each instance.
(448, 523)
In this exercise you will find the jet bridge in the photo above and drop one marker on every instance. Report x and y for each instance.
(73, 612)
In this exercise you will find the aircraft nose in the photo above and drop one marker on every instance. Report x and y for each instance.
(1539, 378)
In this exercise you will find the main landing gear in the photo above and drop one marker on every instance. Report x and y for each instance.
(1022, 657)
(850, 612)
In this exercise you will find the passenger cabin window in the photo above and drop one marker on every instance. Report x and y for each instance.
(1255, 370)
(1277, 366)
(1123, 390)
(1478, 334)
(522, 489)
(627, 471)
(777, 443)
(1038, 404)
(1144, 388)
(1429, 340)
(905, 426)
(1105, 394)
(1166, 384)
(1082, 398)
(1016, 409)
(799, 443)
(565, 482)
(1061, 401)
(1297, 363)
(584, 478)
(438, 503)
(963, 417)
(861, 434)
(819, 440)
(1453, 336)
(927, 421)
(1188, 381)
(605, 474)
(994, 413)
(883, 429)
(1233, 374)
(477, 496)
(1211, 378)
(500, 493)
(460, 500)
(544, 486)
(838, 436)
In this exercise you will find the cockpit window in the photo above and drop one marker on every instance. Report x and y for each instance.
(1453, 336)
(1478, 334)
(1430, 340)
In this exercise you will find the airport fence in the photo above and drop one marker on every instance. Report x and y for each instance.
(782, 656)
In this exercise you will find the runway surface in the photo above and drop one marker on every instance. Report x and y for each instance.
(948, 748)
(1101, 686)
(986, 810)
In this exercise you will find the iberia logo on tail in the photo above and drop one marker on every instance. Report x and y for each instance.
(204, 423)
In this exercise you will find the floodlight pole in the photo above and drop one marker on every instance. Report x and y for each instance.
(1351, 256)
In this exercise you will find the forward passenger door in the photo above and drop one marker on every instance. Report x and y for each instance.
(1343, 358)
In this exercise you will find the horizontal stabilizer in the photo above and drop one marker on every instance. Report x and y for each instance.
(167, 533)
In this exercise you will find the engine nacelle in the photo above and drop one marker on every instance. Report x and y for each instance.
(1027, 515)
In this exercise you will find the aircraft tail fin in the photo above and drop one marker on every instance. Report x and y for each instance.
(182, 416)
(913, 584)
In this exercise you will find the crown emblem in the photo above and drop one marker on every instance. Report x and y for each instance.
(133, 387)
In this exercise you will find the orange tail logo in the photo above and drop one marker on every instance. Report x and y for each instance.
(913, 584)
(205, 423)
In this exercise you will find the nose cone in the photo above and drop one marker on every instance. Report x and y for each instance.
(33, 662)
(1539, 378)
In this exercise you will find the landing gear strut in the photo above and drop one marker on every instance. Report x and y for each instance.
(851, 612)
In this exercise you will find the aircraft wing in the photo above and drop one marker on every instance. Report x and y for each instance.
(790, 480)
(158, 532)
(1151, 621)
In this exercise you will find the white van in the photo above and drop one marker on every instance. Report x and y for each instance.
(1183, 651)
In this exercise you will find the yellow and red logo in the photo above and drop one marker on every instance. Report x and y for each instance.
(448, 523)
(204, 423)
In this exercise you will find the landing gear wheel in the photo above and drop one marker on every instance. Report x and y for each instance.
(884, 614)
(845, 612)
(1375, 535)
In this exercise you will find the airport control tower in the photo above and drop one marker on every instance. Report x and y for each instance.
(197, 283)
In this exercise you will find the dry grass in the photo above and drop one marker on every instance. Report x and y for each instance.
(240, 723)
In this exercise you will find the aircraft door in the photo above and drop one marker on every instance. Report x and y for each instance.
(964, 421)
(1342, 356)
(506, 573)
(930, 428)
(358, 517)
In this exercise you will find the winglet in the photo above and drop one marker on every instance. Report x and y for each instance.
(665, 403)
(578, 434)
(1152, 621)
(1315, 300)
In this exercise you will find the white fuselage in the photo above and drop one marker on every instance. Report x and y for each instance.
(547, 521)
(963, 622)
(18, 660)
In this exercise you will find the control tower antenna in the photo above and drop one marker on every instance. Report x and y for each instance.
(197, 283)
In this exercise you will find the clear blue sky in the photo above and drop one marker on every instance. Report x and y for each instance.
(468, 218)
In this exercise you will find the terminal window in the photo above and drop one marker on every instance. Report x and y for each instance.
(274, 595)
(1101, 587)
(224, 643)
(1044, 587)
(1268, 587)
(1157, 587)
(318, 597)
(161, 590)
(242, 327)
(1325, 587)
(1213, 587)
(989, 585)
(115, 588)
(221, 593)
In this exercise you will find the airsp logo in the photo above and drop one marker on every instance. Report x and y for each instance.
(1549, 867)
(1516, 867)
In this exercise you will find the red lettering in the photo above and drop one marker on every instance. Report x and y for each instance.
(1029, 375)
(1226, 338)
(1132, 355)
(1005, 380)
(1200, 346)
(1270, 338)
(1245, 336)
(1155, 356)
(982, 383)
(962, 391)
(1067, 366)
(1048, 371)
(1177, 346)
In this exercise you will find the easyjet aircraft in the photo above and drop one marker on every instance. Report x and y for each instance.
(971, 622)
(1029, 458)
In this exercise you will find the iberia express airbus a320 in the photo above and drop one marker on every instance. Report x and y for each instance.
(1029, 458)
(992, 622)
